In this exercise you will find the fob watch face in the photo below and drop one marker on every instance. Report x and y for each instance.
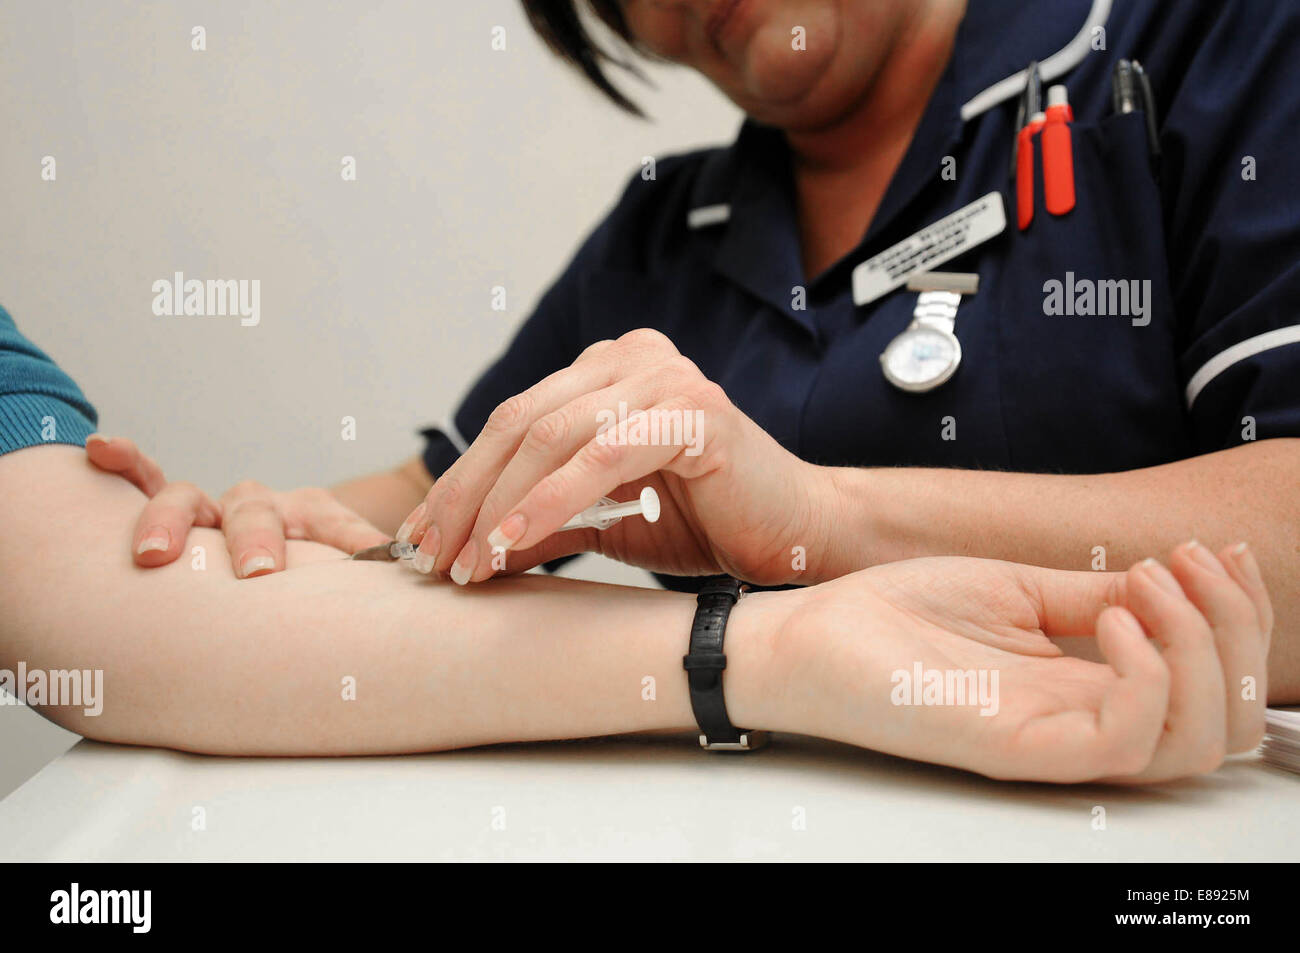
(921, 358)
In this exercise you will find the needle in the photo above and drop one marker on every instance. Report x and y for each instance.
(386, 552)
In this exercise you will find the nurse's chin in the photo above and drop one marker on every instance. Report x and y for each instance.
(775, 80)
(815, 102)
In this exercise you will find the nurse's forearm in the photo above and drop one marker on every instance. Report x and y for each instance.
(384, 499)
(1071, 522)
(194, 659)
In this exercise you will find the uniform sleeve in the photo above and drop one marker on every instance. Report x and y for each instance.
(551, 339)
(38, 402)
(547, 342)
(1232, 180)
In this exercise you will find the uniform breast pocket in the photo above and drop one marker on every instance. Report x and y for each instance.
(1085, 316)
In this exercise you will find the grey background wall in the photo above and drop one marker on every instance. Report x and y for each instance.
(475, 168)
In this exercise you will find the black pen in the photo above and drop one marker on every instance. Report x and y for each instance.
(1149, 107)
(1030, 104)
(1123, 92)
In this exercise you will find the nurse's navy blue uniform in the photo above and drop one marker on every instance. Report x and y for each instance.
(1218, 363)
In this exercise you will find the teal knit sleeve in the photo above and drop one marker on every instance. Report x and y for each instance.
(38, 402)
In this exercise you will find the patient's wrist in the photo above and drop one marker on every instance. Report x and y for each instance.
(755, 678)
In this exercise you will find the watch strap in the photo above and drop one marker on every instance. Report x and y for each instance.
(705, 662)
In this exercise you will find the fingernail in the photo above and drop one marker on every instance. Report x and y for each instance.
(1247, 564)
(1205, 558)
(98, 436)
(508, 533)
(157, 539)
(1162, 577)
(463, 567)
(256, 561)
(1127, 620)
(404, 534)
(427, 554)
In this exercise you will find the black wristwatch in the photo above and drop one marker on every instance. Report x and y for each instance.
(704, 663)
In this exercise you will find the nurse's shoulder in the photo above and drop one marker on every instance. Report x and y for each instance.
(665, 201)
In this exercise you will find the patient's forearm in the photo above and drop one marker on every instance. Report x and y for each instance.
(195, 659)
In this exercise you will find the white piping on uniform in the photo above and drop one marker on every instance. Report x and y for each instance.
(451, 433)
(1239, 352)
(1056, 65)
(707, 215)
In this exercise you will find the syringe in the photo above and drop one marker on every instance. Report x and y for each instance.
(606, 512)
(600, 515)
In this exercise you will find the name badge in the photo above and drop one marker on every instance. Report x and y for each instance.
(929, 248)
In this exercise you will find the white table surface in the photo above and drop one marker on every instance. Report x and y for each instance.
(642, 797)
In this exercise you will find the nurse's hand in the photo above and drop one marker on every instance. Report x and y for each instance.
(256, 520)
(1184, 680)
(732, 499)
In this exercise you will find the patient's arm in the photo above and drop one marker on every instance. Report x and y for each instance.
(195, 659)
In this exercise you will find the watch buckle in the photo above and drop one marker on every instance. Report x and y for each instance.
(749, 741)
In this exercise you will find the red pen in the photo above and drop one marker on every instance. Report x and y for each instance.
(1058, 153)
(1025, 170)
(1029, 119)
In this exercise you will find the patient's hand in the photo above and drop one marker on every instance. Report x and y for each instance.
(1181, 648)
(256, 520)
(195, 660)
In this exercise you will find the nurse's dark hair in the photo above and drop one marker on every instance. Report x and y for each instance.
(560, 24)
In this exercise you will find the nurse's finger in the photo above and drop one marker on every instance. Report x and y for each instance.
(455, 497)
(1235, 622)
(1195, 735)
(254, 530)
(452, 506)
(463, 486)
(556, 546)
(593, 350)
(594, 471)
(165, 522)
(552, 442)
(316, 514)
(119, 455)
